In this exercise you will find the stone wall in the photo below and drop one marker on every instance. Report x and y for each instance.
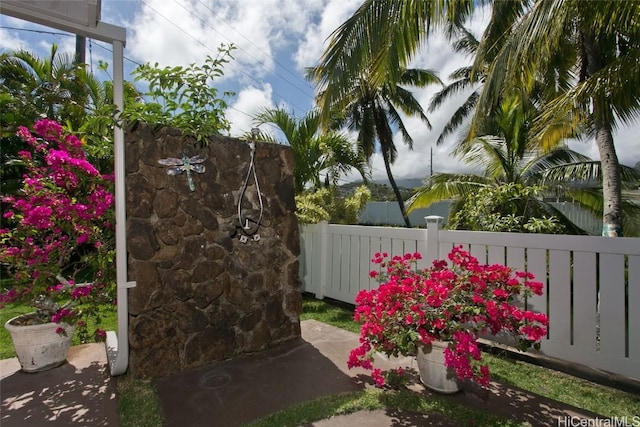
(202, 294)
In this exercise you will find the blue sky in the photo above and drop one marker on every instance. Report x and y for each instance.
(275, 40)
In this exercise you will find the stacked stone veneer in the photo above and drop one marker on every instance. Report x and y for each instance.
(202, 295)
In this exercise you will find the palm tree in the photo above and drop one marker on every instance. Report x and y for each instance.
(473, 76)
(604, 42)
(373, 110)
(558, 172)
(57, 88)
(96, 129)
(384, 34)
(381, 37)
(510, 154)
(32, 88)
(54, 87)
(314, 152)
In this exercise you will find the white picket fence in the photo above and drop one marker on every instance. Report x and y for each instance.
(592, 283)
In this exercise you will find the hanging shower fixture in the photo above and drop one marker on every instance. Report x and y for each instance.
(249, 226)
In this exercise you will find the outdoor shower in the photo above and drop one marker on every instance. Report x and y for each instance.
(249, 226)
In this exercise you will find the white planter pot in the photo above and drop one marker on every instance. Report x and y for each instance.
(39, 347)
(433, 373)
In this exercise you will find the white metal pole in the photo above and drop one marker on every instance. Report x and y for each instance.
(118, 344)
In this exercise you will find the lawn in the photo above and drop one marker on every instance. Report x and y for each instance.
(139, 406)
(549, 383)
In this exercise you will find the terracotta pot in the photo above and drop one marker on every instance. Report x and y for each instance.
(40, 347)
(433, 373)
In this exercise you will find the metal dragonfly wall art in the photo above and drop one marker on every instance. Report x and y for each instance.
(185, 164)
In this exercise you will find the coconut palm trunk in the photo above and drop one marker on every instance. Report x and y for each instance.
(611, 183)
(611, 180)
(396, 190)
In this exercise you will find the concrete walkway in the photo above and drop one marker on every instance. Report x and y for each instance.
(79, 393)
(235, 392)
(238, 391)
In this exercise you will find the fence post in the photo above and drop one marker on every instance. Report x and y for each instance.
(433, 239)
(323, 228)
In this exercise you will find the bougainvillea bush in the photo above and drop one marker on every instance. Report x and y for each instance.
(456, 303)
(57, 235)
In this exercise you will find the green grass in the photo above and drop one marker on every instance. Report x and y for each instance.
(564, 388)
(371, 399)
(327, 313)
(138, 403)
(545, 382)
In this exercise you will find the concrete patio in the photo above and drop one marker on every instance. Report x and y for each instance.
(235, 392)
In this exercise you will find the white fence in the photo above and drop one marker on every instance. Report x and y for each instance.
(592, 283)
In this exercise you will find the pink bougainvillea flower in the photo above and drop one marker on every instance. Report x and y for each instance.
(59, 224)
(81, 291)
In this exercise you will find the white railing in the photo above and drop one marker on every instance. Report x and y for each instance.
(592, 283)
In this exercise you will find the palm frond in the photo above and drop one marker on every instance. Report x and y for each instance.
(465, 42)
(570, 226)
(504, 17)
(419, 77)
(280, 118)
(383, 37)
(458, 117)
(448, 91)
(537, 168)
(585, 170)
(446, 186)
(488, 151)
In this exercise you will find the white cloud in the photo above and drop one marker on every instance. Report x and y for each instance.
(272, 35)
(265, 33)
(11, 39)
(32, 37)
(250, 101)
(185, 31)
(170, 33)
(626, 140)
(437, 55)
(314, 43)
(66, 46)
